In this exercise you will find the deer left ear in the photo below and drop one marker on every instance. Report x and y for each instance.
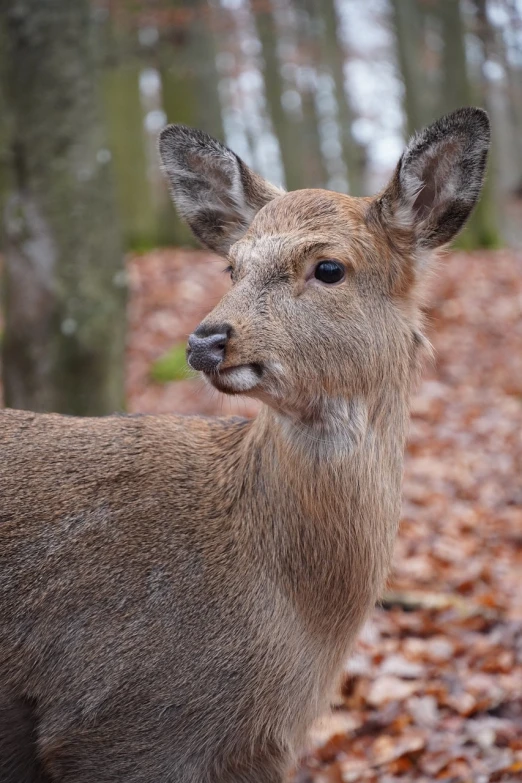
(214, 190)
(438, 179)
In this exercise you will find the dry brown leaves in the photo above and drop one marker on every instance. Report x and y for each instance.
(434, 689)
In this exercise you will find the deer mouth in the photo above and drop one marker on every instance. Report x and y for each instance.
(236, 380)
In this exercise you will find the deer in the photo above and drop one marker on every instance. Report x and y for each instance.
(179, 595)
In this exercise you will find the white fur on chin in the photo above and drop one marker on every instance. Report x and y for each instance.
(238, 379)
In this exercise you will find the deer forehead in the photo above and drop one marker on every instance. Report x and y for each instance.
(305, 224)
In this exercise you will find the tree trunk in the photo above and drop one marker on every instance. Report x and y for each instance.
(333, 57)
(499, 96)
(514, 84)
(186, 57)
(179, 88)
(314, 166)
(124, 118)
(408, 22)
(4, 139)
(457, 91)
(65, 282)
(284, 127)
(203, 60)
(456, 86)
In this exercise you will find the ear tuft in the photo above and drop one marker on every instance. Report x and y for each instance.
(439, 178)
(213, 190)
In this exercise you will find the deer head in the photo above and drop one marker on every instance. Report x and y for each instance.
(324, 303)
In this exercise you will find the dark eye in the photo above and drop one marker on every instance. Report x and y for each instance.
(228, 270)
(329, 272)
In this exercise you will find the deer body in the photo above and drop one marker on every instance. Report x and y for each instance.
(178, 595)
(144, 572)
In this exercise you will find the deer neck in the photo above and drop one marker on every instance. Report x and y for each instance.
(328, 501)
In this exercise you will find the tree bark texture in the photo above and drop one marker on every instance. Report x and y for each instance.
(64, 275)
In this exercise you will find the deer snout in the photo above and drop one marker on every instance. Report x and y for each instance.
(206, 347)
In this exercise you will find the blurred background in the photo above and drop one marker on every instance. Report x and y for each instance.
(311, 93)
(101, 285)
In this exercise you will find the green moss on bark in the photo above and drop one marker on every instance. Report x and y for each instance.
(64, 277)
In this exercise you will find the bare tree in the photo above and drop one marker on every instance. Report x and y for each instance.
(64, 276)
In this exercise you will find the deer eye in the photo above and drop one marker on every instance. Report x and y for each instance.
(329, 272)
(229, 270)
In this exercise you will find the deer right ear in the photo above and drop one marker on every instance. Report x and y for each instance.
(213, 190)
(438, 179)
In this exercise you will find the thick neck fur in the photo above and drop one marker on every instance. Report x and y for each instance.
(327, 501)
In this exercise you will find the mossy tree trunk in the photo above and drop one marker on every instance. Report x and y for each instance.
(124, 119)
(65, 282)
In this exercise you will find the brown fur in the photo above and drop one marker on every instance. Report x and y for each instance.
(178, 595)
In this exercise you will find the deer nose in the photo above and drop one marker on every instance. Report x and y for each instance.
(207, 351)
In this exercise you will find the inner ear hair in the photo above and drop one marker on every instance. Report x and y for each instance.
(212, 188)
(439, 178)
(445, 164)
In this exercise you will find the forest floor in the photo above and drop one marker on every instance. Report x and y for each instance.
(434, 689)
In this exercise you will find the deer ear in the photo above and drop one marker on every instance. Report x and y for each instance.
(213, 190)
(438, 179)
